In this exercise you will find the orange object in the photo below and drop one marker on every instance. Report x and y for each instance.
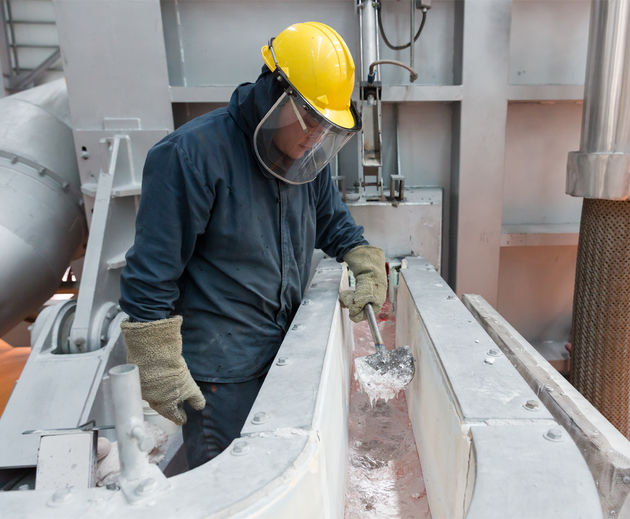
(12, 362)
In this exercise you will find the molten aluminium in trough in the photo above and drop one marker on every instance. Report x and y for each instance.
(384, 478)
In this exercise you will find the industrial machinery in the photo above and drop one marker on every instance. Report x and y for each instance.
(499, 432)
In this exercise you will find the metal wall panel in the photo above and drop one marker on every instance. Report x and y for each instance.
(537, 140)
(548, 41)
(115, 62)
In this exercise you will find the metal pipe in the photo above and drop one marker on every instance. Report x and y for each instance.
(600, 168)
(412, 30)
(376, 333)
(600, 361)
(412, 73)
(133, 443)
(369, 37)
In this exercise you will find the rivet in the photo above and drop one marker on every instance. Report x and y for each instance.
(240, 448)
(61, 496)
(626, 480)
(282, 361)
(259, 417)
(489, 360)
(297, 326)
(306, 302)
(450, 297)
(531, 405)
(14, 159)
(146, 486)
(494, 353)
(476, 341)
(554, 434)
(42, 172)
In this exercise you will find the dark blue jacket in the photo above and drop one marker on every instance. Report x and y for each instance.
(226, 245)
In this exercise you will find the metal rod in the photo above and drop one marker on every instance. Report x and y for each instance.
(376, 334)
(33, 46)
(23, 80)
(33, 22)
(412, 29)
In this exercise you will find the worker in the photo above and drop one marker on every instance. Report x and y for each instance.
(233, 205)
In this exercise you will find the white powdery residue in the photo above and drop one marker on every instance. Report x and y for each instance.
(377, 386)
(281, 432)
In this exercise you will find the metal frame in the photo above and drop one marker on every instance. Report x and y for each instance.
(14, 79)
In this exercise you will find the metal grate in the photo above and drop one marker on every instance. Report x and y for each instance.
(600, 363)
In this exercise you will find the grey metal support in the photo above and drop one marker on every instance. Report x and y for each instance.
(478, 187)
(120, 106)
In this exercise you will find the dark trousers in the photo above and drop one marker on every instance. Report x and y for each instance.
(209, 432)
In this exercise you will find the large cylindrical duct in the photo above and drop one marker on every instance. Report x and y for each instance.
(42, 224)
(600, 172)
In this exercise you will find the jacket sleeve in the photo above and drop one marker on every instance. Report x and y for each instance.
(175, 207)
(337, 232)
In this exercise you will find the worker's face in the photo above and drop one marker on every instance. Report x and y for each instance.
(296, 134)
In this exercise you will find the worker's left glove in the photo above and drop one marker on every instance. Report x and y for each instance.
(368, 266)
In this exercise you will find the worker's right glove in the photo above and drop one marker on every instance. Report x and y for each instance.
(368, 266)
(156, 348)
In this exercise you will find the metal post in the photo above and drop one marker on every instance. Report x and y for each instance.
(138, 478)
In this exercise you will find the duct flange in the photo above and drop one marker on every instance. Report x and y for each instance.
(599, 175)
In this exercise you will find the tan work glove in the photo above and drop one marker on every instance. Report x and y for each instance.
(368, 266)
(156, 348)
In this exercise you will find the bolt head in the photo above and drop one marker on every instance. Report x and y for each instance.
(61, 496)
(531, 405)
(259, 417)
(554, 434)
(240, 448)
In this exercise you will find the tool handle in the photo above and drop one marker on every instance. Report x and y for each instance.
(376, 334)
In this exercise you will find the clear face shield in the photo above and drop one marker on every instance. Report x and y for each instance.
(293, 141)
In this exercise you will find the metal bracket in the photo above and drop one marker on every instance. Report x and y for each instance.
(397, 183)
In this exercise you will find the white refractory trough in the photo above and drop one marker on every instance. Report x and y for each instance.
(472, 431)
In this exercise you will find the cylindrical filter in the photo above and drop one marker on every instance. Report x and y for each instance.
(600, 361)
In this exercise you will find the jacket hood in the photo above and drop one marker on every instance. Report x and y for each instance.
(250, 102)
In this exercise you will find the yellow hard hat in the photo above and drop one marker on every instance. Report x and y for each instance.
(318, 64)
